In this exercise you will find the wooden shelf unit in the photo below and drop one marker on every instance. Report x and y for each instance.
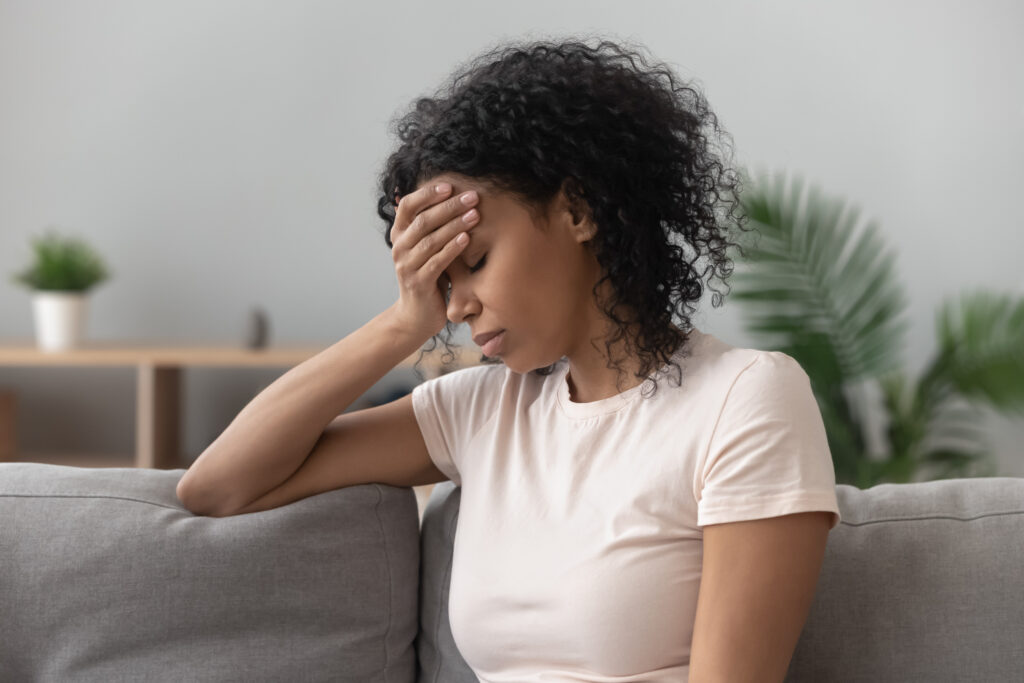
(158, 387)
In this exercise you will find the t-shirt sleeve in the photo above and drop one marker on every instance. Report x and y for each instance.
(768, 455)
(450, 409)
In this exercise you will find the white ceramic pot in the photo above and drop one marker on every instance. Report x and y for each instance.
(59, 319)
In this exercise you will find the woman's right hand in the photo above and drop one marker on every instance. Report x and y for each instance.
(425, 239)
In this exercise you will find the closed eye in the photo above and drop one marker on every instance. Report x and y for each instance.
(479, 264)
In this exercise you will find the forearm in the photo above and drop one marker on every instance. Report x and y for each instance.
(272, 436)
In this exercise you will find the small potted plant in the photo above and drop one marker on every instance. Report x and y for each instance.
(64, 271)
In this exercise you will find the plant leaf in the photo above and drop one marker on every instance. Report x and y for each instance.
(982, 338)
(810, 275)
(62, 264)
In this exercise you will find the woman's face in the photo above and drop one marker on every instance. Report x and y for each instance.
(532, 280)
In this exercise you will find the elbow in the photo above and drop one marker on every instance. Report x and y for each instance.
(188, 499)
(196, 503)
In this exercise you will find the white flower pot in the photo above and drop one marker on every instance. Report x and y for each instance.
(59, 319)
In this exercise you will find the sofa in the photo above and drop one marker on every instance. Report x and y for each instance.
(105, 576)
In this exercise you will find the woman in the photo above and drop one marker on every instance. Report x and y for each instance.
(556, 197)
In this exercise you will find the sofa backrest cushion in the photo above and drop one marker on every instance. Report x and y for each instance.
(921, 582)
(104, 576)
(438, 656)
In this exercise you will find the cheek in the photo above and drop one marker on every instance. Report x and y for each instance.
(546, 288)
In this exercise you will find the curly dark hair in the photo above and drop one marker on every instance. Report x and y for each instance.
(623, 138)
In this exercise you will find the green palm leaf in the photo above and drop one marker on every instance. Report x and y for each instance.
(956, 441)
(827, 292)
(982, 338)
(812, 278)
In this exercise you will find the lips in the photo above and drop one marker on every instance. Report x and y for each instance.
(485, 337)
(490, 343)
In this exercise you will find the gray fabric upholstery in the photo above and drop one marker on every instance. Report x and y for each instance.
(104, 576)
(921, 582)
(439, 659)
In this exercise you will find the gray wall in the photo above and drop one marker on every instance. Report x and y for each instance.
(222, 155)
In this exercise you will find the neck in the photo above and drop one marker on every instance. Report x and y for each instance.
(590, 379)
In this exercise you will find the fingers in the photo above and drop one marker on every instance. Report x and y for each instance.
(434, 227)
(414, 202)
(438, 241)
(418, 277)
(442, 258)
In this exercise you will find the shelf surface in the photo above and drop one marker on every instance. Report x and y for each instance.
(99, 353)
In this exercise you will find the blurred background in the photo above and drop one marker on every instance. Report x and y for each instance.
(222, 156)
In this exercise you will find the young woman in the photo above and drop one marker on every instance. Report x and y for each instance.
(557, 197)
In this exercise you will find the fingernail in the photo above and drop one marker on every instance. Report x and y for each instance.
(442, 188)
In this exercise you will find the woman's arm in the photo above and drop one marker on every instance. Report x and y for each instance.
(757, 584)
(272, 436)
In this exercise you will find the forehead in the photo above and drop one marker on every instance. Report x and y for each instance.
(498, 202)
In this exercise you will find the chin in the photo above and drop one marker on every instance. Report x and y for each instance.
(516, 367)
(521, 369)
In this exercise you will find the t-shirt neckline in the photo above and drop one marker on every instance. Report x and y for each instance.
(619, 401)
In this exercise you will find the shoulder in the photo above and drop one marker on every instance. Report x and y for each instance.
(745, 382)
(471, 385)
(770, 394)
(474, 375)
(772, 371)
(747, 367)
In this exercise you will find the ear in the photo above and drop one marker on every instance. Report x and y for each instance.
(571, 204)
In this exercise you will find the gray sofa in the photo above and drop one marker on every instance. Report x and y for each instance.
(104, 576)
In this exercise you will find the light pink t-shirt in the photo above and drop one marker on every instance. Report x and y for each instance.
(577, 554)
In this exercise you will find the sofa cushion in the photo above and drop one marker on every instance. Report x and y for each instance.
(439, 658)
(921, 582)
(104, 576)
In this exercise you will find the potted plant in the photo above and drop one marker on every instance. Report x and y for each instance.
(64, 271)
(830, 299)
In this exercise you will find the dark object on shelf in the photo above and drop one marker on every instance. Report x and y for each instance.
(8, 435)
(258, 334)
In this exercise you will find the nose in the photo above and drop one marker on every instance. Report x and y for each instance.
(461, 303)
